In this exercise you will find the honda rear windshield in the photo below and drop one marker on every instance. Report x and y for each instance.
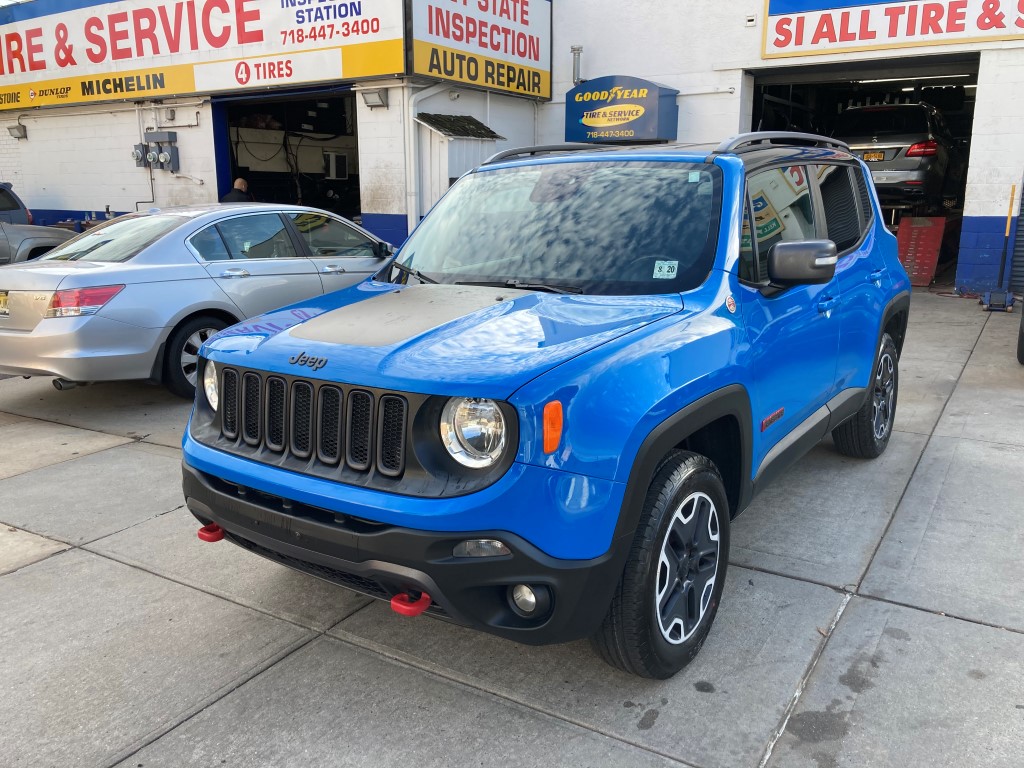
(117, 240)
(608, 228)
(883, 120)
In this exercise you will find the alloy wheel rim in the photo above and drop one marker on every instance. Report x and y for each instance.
(883, 391)
(687, 568)
(190, 353)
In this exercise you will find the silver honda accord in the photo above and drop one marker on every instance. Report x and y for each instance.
(135, 297)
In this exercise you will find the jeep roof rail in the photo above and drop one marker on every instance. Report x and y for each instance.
(544, 149)
(757, 137)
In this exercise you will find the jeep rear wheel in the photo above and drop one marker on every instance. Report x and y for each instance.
(866, 435)
(672, 583)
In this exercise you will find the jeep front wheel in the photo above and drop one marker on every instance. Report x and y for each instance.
(672, 583)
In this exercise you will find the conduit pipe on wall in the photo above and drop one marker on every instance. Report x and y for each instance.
(412, 160)
(42, 112)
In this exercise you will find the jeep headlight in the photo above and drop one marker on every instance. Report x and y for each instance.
(473, 430)
(210, 385)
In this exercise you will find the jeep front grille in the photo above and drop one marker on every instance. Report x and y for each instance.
(326, 423)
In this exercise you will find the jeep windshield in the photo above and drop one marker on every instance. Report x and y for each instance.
(608, 228)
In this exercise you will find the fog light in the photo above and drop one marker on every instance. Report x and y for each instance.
(481, 548)
(524, 598)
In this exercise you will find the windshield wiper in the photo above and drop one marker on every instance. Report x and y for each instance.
(414, 272)
(513, 283)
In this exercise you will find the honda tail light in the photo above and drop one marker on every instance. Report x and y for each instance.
(924, 149)
(75, 302)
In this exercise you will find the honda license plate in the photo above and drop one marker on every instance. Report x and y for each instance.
(873, 157)
(4, 311)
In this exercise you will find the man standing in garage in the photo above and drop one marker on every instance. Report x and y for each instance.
(239, 193)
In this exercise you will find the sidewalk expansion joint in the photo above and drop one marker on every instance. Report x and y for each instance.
(819, 652)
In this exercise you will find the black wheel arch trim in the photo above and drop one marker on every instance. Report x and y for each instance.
(898, 304)
(732, 400)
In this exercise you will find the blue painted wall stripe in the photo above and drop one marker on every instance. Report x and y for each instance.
(981, 251)
(778, 7)
(40, 8)
(392, 227)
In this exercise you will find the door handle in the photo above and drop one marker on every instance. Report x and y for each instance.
(876, 277)
(332, 269)
(235, 272)
(826, 305)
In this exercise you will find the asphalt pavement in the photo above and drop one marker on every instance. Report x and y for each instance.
(872, 613)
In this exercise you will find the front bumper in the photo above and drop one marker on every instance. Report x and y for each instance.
(381, 560)
(91, 348)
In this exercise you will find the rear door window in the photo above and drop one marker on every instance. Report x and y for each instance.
(839, 201)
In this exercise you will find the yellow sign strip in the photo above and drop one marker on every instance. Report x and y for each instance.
(493, 74)
(371, 59)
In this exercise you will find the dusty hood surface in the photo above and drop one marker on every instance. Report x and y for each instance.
(441, 339)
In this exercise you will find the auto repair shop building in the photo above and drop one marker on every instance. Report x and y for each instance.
(372, 107)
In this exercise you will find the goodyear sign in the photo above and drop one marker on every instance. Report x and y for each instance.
(621, 109)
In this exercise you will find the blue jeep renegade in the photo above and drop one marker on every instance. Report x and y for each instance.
(539, 418)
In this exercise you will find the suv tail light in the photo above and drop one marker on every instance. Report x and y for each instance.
(924, 149)
(28, 213)
(75, 302)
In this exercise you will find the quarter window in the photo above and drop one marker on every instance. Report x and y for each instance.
(7, 201)
(210, 245)
(866, 210)
(262, 236)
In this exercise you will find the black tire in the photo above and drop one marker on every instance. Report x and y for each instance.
(182, 347)
(1020, 341)
(867, 433)
(685, 510)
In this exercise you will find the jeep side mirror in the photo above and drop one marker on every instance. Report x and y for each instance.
(802, 262)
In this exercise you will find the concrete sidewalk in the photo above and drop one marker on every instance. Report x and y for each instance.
(872, 614)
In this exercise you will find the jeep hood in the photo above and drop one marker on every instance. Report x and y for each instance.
(436, 339)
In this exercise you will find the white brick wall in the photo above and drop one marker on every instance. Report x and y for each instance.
(382, 155)
(997, 146)
(81, 159)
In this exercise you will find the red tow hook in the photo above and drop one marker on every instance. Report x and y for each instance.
(211, 533)
(404, 604)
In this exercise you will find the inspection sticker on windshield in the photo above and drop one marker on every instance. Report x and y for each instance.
(665, 270)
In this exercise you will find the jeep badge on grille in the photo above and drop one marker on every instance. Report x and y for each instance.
(316, 363)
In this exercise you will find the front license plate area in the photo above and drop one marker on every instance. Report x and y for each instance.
(873, 157)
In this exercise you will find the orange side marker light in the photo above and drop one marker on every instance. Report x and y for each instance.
(552, 426)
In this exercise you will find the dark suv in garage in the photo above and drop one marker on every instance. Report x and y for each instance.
(913, 157)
